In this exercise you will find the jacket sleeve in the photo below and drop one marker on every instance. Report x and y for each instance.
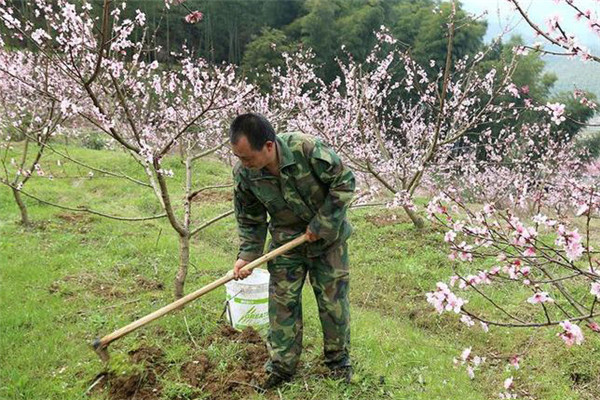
(330, 170)
(251, 218)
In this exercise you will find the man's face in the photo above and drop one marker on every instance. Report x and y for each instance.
(250, 158)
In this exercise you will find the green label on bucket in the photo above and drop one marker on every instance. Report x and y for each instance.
(252, 316)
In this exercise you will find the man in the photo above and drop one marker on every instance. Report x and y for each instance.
(304, 188)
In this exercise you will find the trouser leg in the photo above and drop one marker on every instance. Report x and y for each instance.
(284, 341)
(329, 277)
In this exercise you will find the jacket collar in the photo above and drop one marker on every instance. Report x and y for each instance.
(286, 159)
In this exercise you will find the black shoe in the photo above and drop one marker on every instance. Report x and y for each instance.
(341, 373)
(273, 381)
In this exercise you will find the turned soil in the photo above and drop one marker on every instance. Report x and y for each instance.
(241, 378)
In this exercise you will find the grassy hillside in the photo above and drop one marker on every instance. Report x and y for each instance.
(74, 276)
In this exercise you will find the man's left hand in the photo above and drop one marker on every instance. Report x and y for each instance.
(312, 237)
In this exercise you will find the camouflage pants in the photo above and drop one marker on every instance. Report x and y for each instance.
(329, 278)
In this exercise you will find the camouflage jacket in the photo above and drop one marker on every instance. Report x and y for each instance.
(314, 189)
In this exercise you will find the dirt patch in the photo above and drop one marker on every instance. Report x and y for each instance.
(146, 355)
(68, 286)
(59, 288)
(241, 378)
(214, 196)
(148, 284)
(586, 384)
(137, 386)
(74, 217)
(245, 375)
(195, 372)
(107, 291)
(384, 220)
(224, 331)
(134, 387)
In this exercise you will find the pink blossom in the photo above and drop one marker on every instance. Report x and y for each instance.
(484, 326)
(193, 17)
(540, 219)
(465, 319)
(513, 90)
(514, 361)
(465, 354)
(488, 209)
(556, 111)
(529, 252)
(444, 300)
(594, 326)
(453, 279)
(571, 333)
(595, 289)
(39, 35)
(470, 372)
(450, 236)
(583, 209)
(520, 50)
(571, 241)
(464, 251)
(540, 297)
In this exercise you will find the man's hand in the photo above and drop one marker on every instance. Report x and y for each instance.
(237, 272)
(312, 237)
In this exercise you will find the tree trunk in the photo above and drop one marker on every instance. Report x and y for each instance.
(184, 260)
(416, 220)
(22, 207)
(184, 238)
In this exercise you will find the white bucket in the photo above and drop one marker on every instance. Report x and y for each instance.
(248, 301)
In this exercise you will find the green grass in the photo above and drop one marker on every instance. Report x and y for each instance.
(72, 277)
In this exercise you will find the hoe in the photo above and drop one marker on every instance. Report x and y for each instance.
(101, 344)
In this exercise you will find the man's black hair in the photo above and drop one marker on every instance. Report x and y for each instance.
(255, 127)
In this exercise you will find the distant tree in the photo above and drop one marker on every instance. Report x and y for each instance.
(265, 52)
(318, 33)
(577, 113)
(423, 27)
(279, 13)
(532, 85)
(357, 26)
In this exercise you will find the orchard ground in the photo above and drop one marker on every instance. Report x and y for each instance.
(74, 276)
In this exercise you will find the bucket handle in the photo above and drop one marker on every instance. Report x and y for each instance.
(227, 309)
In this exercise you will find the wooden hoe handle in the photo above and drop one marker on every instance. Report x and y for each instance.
(101, 344)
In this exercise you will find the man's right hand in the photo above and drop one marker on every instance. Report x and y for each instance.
(237, 269)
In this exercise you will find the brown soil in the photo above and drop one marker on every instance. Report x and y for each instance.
(138, 386)
(64, 286)
(74, 217)
(146, 355)
(148, 284)
(383, 220)
(106, 290)
(240, 380)
(67, 286)
(134, 387)
(214, 196)
(194, 372)
(245, 375)
(248, 335)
